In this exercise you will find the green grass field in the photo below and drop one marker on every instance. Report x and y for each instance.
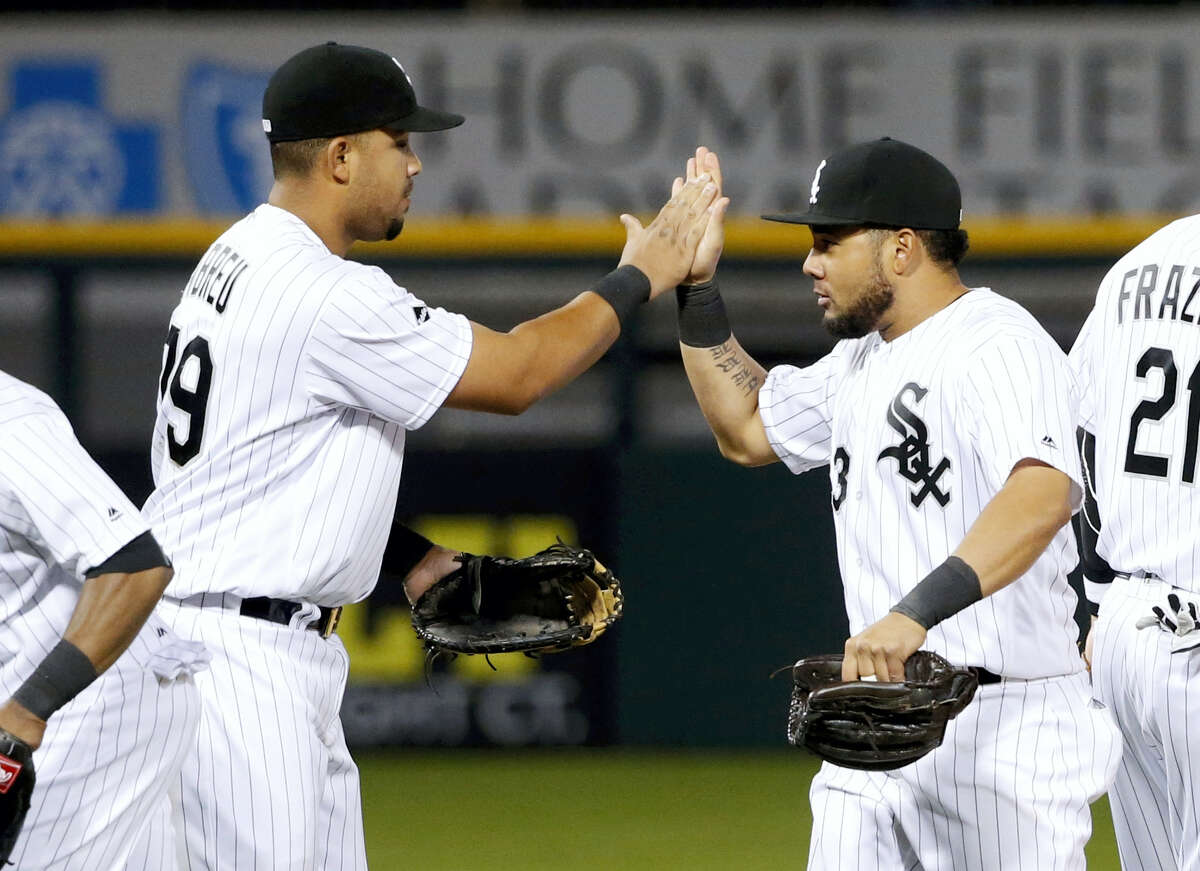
(618, 809)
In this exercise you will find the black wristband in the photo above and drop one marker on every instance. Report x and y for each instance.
(404, 550)
(61, 676)
(703, 322)
(942, 593)
(137, 556)
(625, 288)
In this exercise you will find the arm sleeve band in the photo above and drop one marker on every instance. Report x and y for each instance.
(61, 676)
(942, 593)
(404, 550)
(139, 555)
(625, 289)
(703, 322)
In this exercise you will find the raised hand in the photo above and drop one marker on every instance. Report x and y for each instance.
(708, 252)
(666, 248)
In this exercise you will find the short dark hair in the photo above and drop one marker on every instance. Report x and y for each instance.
(945, 247)
(297, 157)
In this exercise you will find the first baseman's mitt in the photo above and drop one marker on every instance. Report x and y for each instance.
(875, 725)
(558, 598)
(16, 785)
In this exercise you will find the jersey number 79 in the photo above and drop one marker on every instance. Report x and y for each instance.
(188, 384)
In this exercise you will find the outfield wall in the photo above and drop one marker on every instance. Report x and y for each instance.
(131, 141)
(730, 572)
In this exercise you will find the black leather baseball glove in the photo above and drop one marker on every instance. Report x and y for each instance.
(875, 725)
(16, 786)
(559, 598)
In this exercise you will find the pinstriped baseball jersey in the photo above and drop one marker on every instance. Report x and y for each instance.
(60, 515)
(919, 434)
(109, 755)
(1137, 359)
(289, 379)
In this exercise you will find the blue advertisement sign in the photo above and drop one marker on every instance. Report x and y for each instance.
(225, 150)
(63, 155)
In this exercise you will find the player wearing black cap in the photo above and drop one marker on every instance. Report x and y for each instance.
(946, 418)
(291, 378)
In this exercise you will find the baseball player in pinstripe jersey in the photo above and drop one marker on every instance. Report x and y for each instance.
(1137, 360)
(945, 416)
(290, 378)
(79, 576)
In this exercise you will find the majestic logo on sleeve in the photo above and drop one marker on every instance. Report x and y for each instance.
(912, 454)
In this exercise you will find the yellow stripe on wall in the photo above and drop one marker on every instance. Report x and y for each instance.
(749, 238)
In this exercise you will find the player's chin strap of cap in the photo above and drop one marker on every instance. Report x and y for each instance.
(282, 611)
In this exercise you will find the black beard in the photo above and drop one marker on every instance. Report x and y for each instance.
(394, 229)
(863, 317)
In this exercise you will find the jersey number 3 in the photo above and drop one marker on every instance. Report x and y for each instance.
(190, 398)
(1156, 409)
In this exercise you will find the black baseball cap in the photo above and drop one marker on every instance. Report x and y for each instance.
(333, 90)
(885, 183)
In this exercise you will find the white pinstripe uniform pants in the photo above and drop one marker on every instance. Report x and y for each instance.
(271, 785)
(1008, 790)
(104, 770)
(1156, 795)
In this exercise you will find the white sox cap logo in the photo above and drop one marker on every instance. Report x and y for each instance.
(816, 185)
(403, 70)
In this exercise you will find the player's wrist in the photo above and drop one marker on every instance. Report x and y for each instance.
(948, 589)
(61, 676)
(703, 321)
(21, 723)
(625, 289)
(435, 565)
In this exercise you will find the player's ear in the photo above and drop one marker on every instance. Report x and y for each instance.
(904, 249)
(337, 158)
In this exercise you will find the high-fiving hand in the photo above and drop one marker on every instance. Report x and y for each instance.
(665, 249)
(708, 252)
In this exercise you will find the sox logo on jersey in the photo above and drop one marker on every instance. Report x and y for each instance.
(948, 409)
(912, 454)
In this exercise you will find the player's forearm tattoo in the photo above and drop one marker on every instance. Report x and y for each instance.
(727, 359)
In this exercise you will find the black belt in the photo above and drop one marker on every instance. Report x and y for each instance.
(282, 611)
(986, 677)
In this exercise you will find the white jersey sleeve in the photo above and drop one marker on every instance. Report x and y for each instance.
(1019, 401)
(53, 493)
(796, 407)
(377, 347)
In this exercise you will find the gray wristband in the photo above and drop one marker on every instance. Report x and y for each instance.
(61, 676)
(625, 289)
(942, 593)
(703, 322)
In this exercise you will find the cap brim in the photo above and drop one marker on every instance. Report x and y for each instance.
(811, 218)
(422, 120)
